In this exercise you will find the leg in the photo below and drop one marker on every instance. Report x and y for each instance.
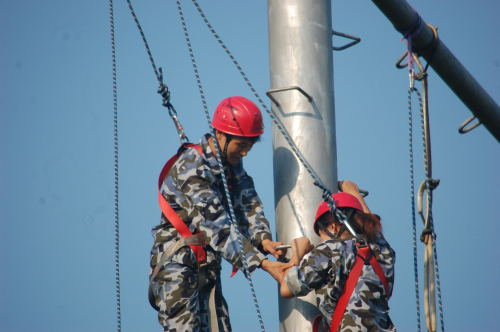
(221, 308)
(176, 290)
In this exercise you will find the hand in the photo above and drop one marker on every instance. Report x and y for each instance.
(276, 269)
(352, 188)
(300, 246)
(269, 245)
(349, 187)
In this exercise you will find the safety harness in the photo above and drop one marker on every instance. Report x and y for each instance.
(364, 256)
(195, 241)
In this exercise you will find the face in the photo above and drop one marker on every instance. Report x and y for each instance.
(237, 149)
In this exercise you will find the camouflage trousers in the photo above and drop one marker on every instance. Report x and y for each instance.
(183, 308)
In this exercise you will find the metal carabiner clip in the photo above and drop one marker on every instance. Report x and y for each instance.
(411, 75)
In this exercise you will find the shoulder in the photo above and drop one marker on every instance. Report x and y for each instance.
(327, 250)
(383, 252)
(189, 159)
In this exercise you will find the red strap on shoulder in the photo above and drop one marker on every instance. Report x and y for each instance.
(171, 215)
(380, 273)
(352, 281)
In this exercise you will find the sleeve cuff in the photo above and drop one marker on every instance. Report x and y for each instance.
(297, 287)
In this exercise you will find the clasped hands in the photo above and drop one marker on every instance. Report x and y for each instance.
(278, 270)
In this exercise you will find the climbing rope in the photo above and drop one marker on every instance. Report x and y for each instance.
(317, 181)
(430, 218)
(430, 223)
(117, 224)
(163, 89)
(415, 263)
(224, 180)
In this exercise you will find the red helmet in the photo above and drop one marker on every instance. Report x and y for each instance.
(238, 116)
(341, 200)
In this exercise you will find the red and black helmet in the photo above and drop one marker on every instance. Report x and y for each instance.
(342, 200)
(238, 116)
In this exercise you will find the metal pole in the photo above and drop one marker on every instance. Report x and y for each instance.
(301, 58)
(445, 64)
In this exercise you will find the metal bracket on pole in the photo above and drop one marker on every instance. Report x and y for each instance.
(463, 130)
(363, 193)
(298, 88)
(398, 63)
(341, 34)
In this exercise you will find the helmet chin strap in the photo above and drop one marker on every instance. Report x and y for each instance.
(341, 230)
(223, 154)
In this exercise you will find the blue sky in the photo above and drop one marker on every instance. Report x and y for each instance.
(57, 162)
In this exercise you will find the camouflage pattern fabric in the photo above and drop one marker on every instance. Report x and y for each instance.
(194, 189)
(326, 268)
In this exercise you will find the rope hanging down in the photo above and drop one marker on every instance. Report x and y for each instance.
(415, 262)
(317, 180)
(117, 224)
(163, 89)
(430, 184)
(224, 180)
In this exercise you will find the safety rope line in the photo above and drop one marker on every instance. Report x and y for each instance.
(219, 160)
(429, 211)
(415, 262)
(163, 89)
(117, 223)
(429, 207)
(317, 181)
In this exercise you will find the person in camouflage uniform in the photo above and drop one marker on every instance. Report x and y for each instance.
(325, 268)
(193, 187)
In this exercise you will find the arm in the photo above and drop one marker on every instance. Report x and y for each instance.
(300, 246)
(311, 273)
(196, 193)
(250, 214)
(279, 271)
(352, 188)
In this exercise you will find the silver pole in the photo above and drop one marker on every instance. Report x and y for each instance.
(446, 65)
(301, 58)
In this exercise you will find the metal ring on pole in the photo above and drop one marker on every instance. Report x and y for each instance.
(434, 43)
(401, 58)
(356, 40)
(298, 88)
(463, 130)
(363, 193)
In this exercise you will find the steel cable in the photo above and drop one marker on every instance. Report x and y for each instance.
(224, 180)
(317, 180)
(163, 89)
(117, 223)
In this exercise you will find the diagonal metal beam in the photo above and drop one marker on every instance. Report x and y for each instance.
(445, 64)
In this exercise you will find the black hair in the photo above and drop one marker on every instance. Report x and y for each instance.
(253, 139)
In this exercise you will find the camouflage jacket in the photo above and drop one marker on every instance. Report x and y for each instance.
(326, 268)
(194, 189)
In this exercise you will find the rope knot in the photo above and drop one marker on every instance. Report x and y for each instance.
(165, 94)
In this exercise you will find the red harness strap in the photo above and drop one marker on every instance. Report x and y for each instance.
(352, 281)
(171, 215)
